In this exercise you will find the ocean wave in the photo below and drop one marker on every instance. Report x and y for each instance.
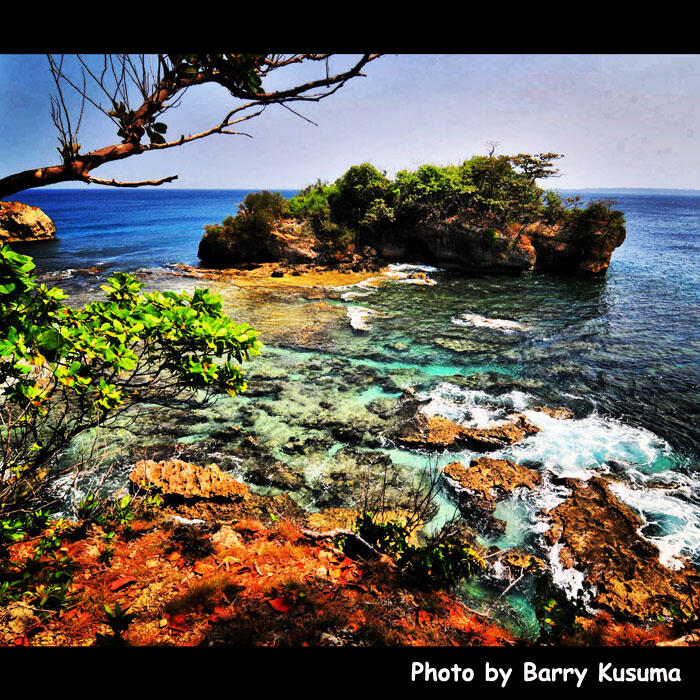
(409, 267)
(412, 274)
(499, 324)
(472, 407)
(347, 296)
(676, 520)
(643, 465)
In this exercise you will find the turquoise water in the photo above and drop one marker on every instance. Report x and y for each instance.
(621, 351)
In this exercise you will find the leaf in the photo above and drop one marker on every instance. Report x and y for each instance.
(282, 605)
(423, 617)
(178, 622)
(121, 583)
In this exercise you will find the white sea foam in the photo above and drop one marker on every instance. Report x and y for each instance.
(586, 447)
(669, 513)
(408, 267)
(412, 274)
(500, 324)
(569, 580)
(472, 407)
(359, 316)
(353, 295)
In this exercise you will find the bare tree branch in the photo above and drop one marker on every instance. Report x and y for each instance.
(161, 81)
(142, 183)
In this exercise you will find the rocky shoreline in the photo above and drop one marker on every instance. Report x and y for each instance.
(452, 244)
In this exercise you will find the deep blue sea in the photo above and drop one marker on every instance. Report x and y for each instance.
(622, 350)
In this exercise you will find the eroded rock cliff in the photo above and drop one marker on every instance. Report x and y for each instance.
(21, 222)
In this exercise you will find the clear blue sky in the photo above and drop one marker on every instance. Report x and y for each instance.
(620, 120)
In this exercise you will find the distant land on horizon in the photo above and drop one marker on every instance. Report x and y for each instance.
(611, 190)
(633, 190)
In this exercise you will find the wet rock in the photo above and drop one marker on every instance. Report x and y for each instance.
(23, 223)
(599, 535)
(185, 480)
(485, 482)
(438, 433)
(264, 387)
(489, 480)
(512, 562)
(560, 412)
(462, 345)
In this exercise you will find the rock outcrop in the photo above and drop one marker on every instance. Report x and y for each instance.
(186, 481)
(23, 223)
(438, 433)
(454, 242)
(485, 482)
(599, 535)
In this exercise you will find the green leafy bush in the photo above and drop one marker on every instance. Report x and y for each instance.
(555, 611)
(598, 216)
(65, 370)
(443, 560)
(43, 578)
(356, 192)
(248, 229)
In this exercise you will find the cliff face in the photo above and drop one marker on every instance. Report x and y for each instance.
(20, 222)
(537, 246)
(454, 243)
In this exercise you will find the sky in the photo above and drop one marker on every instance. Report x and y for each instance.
(620, 120)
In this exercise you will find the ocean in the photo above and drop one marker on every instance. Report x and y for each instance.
(622, 351)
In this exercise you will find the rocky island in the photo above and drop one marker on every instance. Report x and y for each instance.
(486, 215)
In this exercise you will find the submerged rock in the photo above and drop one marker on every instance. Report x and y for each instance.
(599, 535)
(23, 223)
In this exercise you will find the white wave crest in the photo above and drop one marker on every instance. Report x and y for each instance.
(499, 324)
(359, 316)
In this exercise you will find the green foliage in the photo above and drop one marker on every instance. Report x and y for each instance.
(249, 228)
(598, 216)
(118, 619)
(430, 189)
(65, 370)
(557, 208)
(312, 202)
(488, 193)
(443, 560)
(491, 190)
(42, 579)
(360, 190)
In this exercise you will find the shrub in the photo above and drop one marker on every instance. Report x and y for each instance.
(248, 229)
(430, 189)
(65, 370)
(598, 216)
(356, 192)
(443, 560)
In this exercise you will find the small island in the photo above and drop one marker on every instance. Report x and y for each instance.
(486, 215)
